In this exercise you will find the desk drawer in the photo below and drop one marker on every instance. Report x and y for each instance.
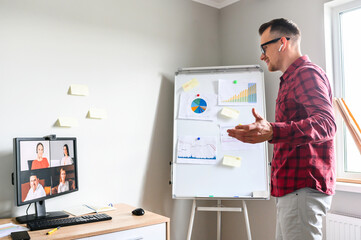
(151, 232)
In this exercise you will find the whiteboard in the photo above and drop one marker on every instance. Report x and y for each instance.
(210, 178)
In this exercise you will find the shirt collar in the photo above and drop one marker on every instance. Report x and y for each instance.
(299, 62)
(36, 189)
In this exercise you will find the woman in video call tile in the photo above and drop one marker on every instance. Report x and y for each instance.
(40, 161)
(63, 185)
(66, 160)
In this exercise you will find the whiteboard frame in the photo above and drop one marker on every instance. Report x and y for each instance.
(210, 70)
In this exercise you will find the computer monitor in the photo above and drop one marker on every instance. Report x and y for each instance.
(45, 168)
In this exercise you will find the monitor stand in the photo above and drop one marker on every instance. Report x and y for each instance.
(40, 213)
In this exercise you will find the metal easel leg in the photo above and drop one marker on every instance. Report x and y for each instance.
(191, 220)
(219, 218)
(246, 220)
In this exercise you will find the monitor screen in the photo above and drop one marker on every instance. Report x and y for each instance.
(44, 168)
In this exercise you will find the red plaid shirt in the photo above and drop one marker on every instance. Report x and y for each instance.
(303, 133)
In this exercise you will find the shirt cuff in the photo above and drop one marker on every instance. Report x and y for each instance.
(280, 131)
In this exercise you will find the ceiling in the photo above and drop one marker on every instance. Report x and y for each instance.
(216, 3)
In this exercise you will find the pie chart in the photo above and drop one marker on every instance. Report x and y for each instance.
(199, 105)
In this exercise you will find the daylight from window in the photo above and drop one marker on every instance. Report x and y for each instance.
(351, 52)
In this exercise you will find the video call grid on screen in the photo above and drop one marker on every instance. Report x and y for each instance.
(53, 152)
(49, 177)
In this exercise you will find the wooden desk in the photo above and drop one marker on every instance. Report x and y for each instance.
(124, 225)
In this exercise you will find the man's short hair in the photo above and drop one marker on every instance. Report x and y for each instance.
(281, 26)
(33, 174)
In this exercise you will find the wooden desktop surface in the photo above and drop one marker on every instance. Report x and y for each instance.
(122, 220)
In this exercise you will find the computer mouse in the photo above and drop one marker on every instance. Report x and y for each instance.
(138, 211)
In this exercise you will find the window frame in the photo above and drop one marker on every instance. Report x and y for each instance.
(334, 66)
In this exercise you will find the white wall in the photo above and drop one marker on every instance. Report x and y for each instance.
(127, 53)
(240, 42)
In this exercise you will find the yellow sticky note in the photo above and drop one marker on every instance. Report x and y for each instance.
(67, 122)
(190, 84)
(231, 161)
(97, 113)
(78, 89)
(230, 112)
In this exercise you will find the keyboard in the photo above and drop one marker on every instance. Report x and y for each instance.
(62, 222)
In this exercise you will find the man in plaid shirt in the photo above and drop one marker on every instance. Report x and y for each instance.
(303, 164)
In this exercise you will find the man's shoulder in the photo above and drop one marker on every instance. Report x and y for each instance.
(309, 67)
(40, 187)
(309, 70)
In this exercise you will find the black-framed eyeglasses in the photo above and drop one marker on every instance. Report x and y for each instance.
(269, 42)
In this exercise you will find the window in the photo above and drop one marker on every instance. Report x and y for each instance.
(343, 51)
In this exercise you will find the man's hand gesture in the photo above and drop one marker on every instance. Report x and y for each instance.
(259, 131)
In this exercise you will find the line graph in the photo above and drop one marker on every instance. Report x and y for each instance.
(201, 150)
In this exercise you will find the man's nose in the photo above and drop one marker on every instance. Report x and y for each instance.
(262, 56)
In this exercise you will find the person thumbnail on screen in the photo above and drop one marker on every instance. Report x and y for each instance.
(40, 161)
(65, 183)
(36, 189)
(66, 160)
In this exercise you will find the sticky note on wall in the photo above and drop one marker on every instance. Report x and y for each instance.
(79, 90)
(230, 112)
(97, 113)
(190, 84)
(231, 161)
(67, 122)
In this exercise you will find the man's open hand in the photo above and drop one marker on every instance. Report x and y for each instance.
(259, 131)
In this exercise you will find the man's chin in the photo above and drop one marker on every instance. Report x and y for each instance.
(271, 68)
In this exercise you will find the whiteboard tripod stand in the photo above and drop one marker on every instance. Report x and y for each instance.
(219, 209)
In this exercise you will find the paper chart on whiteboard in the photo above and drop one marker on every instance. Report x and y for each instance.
(197, 106)
(197, 150)
(237, 92)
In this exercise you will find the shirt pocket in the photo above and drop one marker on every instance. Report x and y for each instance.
(288, 109)
(282, 109)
